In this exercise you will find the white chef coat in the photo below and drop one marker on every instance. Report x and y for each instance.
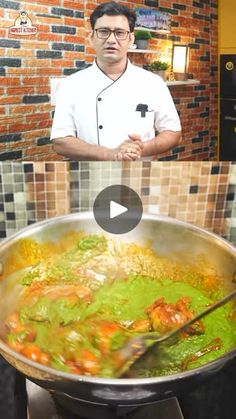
(100, 111)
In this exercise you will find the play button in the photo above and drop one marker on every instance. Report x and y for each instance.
(118, 209)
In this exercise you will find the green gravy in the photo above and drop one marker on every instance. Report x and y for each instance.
(64, 326)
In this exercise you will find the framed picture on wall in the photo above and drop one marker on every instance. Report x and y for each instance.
(153, 19)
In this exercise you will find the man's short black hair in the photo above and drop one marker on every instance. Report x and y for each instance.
(113, 8)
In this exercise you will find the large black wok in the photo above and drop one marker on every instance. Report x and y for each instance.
(170, 238)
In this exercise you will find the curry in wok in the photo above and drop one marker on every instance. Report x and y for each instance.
(83, 297)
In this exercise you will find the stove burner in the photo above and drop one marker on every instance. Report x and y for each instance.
(166, 409)
(42, 404)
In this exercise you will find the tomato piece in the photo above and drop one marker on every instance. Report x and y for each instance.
(16, 346)
(32, 352)
(88, 362)
(74, 369)
(105, 333)
(31, 335)
(45, 358)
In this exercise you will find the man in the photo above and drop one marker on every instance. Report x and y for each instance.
(114, 110)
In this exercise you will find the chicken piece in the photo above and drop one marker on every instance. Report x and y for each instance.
(70, 292)
(165, 317)
(100, 269)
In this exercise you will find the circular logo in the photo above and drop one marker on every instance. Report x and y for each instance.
(229, 65)
(117, 209)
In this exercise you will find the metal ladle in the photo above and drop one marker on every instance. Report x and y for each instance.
(139, 350)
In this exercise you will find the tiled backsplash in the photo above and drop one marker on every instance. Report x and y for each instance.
(202, 193)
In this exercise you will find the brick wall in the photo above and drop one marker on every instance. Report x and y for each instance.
(28, 62)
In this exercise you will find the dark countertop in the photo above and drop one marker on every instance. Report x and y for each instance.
(216, 399)
(12, 392)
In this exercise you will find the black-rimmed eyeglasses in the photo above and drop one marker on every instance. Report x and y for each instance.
(104, 33)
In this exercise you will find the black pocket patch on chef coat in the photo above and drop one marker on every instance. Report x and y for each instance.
(143, 108)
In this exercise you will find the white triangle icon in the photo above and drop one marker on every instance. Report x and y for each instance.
(116, 209)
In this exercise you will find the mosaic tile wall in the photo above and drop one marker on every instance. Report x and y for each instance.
(202, 193)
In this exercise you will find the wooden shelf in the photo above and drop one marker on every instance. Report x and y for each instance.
(161, 31)
(186, 83)
(147, 51)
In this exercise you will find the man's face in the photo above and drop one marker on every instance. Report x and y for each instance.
(111, 50)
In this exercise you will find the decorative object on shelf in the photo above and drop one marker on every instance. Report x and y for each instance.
(153, 19)
(133, 47)
(160, 68)
(141, 38)
(171, 75)
(180, 57)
